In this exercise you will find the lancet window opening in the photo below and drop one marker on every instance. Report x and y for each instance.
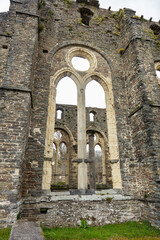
(60, 162)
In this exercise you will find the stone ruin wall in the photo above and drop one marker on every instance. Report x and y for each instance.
(32, 49)
(68, 124)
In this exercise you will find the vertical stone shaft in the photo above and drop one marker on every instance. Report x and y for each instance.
(92, 172)
(56, 164)
(81, 132)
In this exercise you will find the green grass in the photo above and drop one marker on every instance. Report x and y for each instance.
(129, 230)
(5, 233)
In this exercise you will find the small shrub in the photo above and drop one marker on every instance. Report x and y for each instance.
(145, 195)
(55, 4)
(151, 34)
(83, 4)
(50, 12)
(80, 34)
(61, 183)
(109, 199)
(121, 51)
(158, 44)
(84, 224)
(118, 27)
(43, 210)
(18, 216)
(79, 20)
(118, 15)
(135, 16)
(101, 194)
(140, 18)
(116, 33)
(98, 20)
(67, 4)
(41, 4)
(41, 27)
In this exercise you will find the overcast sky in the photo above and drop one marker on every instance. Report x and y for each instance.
(148, 8)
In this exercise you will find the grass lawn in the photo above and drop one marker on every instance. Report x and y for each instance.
(5, 233)
(129, 230)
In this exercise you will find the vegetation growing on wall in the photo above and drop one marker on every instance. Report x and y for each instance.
(41, 4)
(99, 19)
(153, 36)
(121, 51)
(67, 4)
(118, 15)
(40, 28)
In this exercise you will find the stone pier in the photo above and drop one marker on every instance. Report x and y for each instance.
(92, 172)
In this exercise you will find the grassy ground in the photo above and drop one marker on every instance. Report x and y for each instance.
(124, 231)
(5, 233)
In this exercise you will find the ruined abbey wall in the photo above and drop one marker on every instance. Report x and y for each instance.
(37, 42)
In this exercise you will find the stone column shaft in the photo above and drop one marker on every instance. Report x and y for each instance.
(81, 123)
(92, 171)
(56, 165)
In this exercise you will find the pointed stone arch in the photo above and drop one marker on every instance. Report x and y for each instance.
(105, 158)
(52, 105)
(81, 82)
(106, 83)
(65, 139)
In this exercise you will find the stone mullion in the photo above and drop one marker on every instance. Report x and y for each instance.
(103, 164)
(56, 163)
(81, 133)
(92, 171)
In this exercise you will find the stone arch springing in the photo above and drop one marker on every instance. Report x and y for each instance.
(65, 72)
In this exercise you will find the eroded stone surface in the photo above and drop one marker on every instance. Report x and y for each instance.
(24, 230)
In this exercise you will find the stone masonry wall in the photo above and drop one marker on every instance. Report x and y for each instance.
(18, 36)
(105, 35)
(143, 106)
(53, 42)
(15, 110)
(58, 211)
